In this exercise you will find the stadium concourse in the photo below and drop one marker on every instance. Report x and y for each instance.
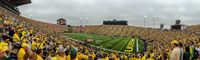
(26, 39)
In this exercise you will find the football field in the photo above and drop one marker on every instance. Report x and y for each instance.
(123, 44)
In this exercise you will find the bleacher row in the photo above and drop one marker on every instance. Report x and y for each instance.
(193, 29)
(44, 25)
(12, 26)
(27, 39)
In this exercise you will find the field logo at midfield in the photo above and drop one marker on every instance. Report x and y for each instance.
(130, 46)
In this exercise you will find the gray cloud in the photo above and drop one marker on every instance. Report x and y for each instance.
(98, 10)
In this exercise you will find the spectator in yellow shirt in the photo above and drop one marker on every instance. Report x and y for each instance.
(61, 53)
(73, 54)
(3, 49)
(132, 57)
(22, 51)
(39, 54)
(16, 37)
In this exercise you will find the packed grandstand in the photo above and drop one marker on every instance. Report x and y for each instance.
(28, 39)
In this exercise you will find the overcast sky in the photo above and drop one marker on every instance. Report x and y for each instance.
(165, 11)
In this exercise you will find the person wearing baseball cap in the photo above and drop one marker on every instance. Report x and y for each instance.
(175, 53)
(22, 51)
(61, 53)
(73, 54)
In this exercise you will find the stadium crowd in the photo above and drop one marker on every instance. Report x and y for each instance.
(25, 39)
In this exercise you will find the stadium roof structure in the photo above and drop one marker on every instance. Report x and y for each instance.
(19, 2)
(11, 5)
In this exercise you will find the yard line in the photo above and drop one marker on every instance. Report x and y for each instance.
(119, 42)
(124, 44)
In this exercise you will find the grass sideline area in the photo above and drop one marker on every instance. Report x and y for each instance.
(108, 42)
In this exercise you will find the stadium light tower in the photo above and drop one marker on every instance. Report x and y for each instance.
(86, 21)
(145, 20)
(31, 16)
(154, 18)
(80, 21)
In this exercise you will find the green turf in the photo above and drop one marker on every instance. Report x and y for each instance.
(114, 43)
(120, 45)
